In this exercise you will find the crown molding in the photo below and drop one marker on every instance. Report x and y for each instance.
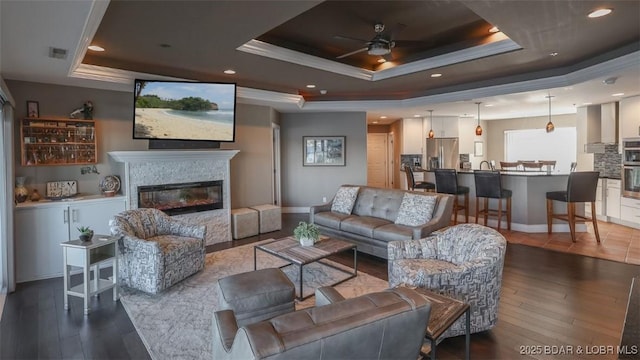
(96, 12)
(262, 48)
(499, 44)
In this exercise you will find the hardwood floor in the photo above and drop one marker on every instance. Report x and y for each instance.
(548, 298)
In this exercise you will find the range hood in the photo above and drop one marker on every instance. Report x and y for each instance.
(604, 129)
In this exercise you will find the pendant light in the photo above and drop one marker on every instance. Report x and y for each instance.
(478, 128)
(550, 127)
(431, 133)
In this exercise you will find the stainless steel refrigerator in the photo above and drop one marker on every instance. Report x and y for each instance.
(442, 153)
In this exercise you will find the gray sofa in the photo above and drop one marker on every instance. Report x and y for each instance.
(372, 222)
(384, 325)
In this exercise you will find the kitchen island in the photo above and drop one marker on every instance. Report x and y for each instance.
(528, 203)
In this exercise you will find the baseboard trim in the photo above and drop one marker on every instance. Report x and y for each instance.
(296, 210)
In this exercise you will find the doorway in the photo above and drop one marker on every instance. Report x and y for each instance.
(378, 154)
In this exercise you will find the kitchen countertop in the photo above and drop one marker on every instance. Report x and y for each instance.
(515, 173)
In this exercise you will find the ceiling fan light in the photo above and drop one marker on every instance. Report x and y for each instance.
(378, 49)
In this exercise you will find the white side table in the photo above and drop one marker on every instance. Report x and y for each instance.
(89, 255)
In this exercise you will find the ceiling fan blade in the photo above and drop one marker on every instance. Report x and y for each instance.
(351, 53)
(409, 43)
(350, 39)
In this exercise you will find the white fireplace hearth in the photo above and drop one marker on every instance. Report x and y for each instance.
(158, 167)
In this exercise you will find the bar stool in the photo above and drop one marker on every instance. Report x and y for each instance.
(411, 182)
(489, 186)
(447, 183)
(581, 188)
(506, 165)
(549, 165)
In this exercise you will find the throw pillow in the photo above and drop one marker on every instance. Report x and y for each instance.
(345, 199)
(415, 209)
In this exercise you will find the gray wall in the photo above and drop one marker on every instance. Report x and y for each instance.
(304, 186)
(113, 110)
(252, 169)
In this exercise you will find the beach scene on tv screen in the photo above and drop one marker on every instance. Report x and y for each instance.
(183, 110)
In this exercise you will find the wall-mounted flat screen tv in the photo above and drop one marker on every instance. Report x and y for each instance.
(182, 110)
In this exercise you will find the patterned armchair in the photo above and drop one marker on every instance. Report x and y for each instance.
(156, 251)
(463, 261)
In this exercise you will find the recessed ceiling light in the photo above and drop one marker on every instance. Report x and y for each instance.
(488, 105)
(553, 54)
(375, 122)
(381, 60)
(229, 72)
(617, 94)
(436, 75)
(599, 12)
(494, 30)
(95, 48)
(311, 86)
(383, 117)
(587, 103)
(416, 115)
(323, 92)
(163, 45)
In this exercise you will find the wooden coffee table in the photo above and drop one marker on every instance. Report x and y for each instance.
(290, 250)
(444, 312)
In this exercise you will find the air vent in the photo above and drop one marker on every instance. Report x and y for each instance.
(57, 53)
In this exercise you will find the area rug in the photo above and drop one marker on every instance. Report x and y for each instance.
(177, 323)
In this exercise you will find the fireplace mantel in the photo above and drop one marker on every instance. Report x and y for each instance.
(171, 155)
(157, 167)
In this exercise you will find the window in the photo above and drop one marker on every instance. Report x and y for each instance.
(537, 144)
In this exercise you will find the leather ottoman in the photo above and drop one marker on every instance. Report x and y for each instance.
(256, 295)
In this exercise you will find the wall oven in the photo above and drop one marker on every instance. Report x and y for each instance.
(631, 167)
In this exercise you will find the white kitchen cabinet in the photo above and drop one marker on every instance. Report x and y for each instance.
(608, 123)
(446, 126)
(41, 227)
(613, 198)
(412, 136)
(629, 120)
(599, 199)
(630, 210)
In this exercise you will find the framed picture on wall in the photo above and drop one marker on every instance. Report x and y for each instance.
(478, 148)
(323, 150)
(33, 109)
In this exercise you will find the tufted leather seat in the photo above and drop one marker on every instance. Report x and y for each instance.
(371, 223)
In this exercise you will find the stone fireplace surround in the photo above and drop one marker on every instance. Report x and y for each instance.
(156, 167)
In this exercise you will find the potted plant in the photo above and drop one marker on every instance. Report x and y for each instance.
(85, 233)
(307, 234)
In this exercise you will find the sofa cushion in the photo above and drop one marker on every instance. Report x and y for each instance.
(393, 232)
(345, 199)
(329, 219)
(415, 209)
(380, 203)
(175, 247)
(362, 225)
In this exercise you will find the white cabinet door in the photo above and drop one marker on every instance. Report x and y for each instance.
(608, 128)
(447, 126)
(38, 234)
(598, 200)
(95, 215)
(613, 198)
(412, 136)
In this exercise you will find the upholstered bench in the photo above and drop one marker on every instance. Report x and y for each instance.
(256, 295)
(244, 223)
(270, 217)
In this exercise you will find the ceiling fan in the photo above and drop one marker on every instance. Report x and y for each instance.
(380, 45)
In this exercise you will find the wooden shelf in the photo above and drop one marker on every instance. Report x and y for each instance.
(58, 141)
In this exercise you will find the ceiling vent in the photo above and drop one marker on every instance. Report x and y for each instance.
(57, 53)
